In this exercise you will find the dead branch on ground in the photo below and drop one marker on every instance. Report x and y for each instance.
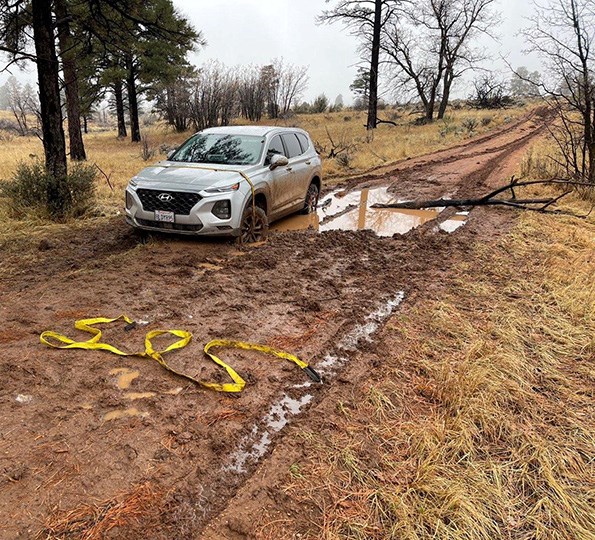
(106, 176)
(535, 205)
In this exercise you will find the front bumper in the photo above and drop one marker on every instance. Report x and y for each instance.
(199, 219)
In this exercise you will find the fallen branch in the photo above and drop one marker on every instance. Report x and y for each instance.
(107, 177)
(490, 200)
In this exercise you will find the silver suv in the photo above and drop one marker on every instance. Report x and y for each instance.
(228, 181)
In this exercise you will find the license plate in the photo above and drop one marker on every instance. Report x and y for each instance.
(164, 217)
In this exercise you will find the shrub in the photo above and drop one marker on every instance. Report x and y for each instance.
(486, 121)
(28, 191)
(147, 151)
(470, 124)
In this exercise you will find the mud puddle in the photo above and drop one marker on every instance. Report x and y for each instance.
(352, 212)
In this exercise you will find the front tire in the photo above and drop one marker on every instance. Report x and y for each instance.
(254, 226)
(311, 201)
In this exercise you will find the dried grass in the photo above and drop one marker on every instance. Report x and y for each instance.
(94, 522)
(484, 426)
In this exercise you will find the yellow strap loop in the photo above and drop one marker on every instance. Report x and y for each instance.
(59, 341)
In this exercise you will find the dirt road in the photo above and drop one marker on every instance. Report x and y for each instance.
(79, 452)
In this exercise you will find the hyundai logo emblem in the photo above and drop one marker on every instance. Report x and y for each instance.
(165, 197)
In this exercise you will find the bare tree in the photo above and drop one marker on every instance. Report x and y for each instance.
(366, 20)
(293, 82)
(252, 93)
(173, 100)
(284, 84)
(429, 46)
(22, 103)
(490, 93)
(214, 99)
(563, 33)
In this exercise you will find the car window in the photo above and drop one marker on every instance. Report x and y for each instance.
(292, 144)
(304, 142)
(275, 147)
(220, 149)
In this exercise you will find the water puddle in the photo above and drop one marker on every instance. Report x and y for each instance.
(255, 445)
(351, 211)
(455, 222)
(125, 377)
(261, 437)
(127, 413)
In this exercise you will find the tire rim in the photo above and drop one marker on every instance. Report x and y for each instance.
(312, 199)
(252, 228)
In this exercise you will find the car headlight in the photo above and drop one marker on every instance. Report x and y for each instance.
(225, 189)
(129, 200)
(133, 181)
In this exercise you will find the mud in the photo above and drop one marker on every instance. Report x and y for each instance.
(80, 438)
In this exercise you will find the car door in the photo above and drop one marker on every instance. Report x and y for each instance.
(281, 178)
(300, 168)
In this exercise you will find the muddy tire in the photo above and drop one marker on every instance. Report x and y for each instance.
(311, 201)
(254, 227)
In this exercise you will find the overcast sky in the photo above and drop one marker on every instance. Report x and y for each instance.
(255, 31)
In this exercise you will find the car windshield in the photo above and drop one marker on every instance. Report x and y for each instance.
(220, 149)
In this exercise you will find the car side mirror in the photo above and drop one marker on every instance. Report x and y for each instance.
(278, 160)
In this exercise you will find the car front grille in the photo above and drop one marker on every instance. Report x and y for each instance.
(178, 202)
(169, 226)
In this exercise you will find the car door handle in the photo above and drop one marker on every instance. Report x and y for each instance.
(308, 163)
(290, 168)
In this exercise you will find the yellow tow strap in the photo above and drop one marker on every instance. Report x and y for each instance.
(59, 341)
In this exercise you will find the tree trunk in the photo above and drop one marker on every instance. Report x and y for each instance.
(71, 85)
(119, 97)
(430, 106)
(373, 103)
(448, 78)
(132, 100)
(54, 144)
(85, 124)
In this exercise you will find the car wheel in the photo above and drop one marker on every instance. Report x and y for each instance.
(311, 202)
(255, 226)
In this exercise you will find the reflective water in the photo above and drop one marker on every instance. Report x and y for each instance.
(351, 211)
(257, 443)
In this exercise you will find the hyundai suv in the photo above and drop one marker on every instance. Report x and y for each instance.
(228, 181)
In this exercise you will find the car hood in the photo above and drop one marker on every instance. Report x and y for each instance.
(194, 175)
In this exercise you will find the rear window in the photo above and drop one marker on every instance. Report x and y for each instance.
(304, 142)
(292, 144)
